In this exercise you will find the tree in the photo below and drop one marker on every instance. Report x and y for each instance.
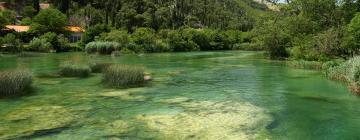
(352, 38)
(93, 32)
(10, 16)
(3, 21)
(28, 11)
(49, 20)
(36, 5)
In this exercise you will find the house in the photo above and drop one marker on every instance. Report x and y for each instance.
(75, 36)
(76, 33)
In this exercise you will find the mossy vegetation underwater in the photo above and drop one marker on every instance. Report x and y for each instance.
(198, 95)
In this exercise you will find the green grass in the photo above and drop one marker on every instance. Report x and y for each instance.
(15, 82)
(98, 67)
(301, 64)
(102, 47)
(348, 72)
(69, 69)
(120, 76)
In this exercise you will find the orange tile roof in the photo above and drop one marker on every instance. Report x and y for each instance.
(76, 29)
(19, 28)
(44, 5)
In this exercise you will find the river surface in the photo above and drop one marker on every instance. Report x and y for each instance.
(201, 95)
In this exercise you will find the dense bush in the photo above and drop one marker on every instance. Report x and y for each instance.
(118, 36)
(50, 42)
(92, 32)
(347, 72)
(123, 76)
(102, 47)
(15, 82)
(48, 20)
(40, 45)
(69, 69)
(11, 43)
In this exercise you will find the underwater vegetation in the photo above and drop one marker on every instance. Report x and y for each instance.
(15, 82)
(40, 120)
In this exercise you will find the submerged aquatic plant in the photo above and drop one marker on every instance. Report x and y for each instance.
(15, 82)
(123, 76)
(69, 69)
(98, 67)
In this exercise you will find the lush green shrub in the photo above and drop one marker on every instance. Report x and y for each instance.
(15, 82)
(48, 20)
(98, 67)
(118, 36)
(102, 47)
(352, 37)
(301, 64)
(40, 45)
(69, 69)
(11, 42)
(181, 43)
(123, 76)
(247, 46)
(348, 71)
(50, 42)
(143, 36)
(92, 32)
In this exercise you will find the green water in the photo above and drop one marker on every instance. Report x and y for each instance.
(201, 95)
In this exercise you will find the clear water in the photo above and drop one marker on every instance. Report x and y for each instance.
(200, 95)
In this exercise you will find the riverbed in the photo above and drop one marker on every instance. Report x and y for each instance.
(200, 95)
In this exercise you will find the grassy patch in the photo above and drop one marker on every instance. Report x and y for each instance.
(348, 72)
(102, 47)
(69, 69)
(15, 82)
(119, 76)
(301, 64)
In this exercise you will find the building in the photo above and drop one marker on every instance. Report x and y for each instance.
(75, 36)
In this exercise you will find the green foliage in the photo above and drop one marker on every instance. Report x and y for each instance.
(143, 36)
(9, 15)
(28, 11)
(50, 42)
(92, 32)
(102, 47)
(26, 21)
(3, 21)
(348, 72)
(321, 47)
(70, 69)
(40, 45)
(352, 38)
(11, 43)
(118, 36)
(49, 20)
(119, 76)
(15, 82)
(301, 64)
